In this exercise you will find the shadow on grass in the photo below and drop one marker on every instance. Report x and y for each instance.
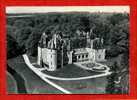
(19, 80)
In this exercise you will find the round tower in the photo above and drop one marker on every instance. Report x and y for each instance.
(88, 39)
(39, 55)
(91, 44)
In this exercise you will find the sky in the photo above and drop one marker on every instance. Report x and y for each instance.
(45, 9)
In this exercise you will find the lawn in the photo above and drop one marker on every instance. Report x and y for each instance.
(71, 71)
(33, 83)
(87, 86)
(36, 85)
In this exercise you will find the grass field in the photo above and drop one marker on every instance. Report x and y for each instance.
(35, 84)
(32, 82)
(71, 71)
(87, 86)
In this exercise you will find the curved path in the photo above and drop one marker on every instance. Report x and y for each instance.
(37, 71)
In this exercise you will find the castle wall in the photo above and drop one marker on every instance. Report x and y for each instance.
(49, 57)
(70, 56)
(91, 54)
(82, 57)
(52, 60)
(45, 55)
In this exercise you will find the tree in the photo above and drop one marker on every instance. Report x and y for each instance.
(32, 42)
(116, 18)
(113, 28)
(19, 23)
(22, 35)
(111, 87)
(13, 48)
(11, 31)
(119, 38)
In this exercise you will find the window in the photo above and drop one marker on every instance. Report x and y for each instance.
(82, 56)
(86, 56)
(78, 56)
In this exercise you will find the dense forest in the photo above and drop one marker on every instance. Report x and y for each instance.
(113, 28)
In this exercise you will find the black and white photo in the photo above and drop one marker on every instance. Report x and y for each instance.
(68, 49)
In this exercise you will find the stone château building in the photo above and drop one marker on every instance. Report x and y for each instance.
(53, 52)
